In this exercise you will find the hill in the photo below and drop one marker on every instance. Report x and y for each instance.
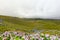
(8, 23)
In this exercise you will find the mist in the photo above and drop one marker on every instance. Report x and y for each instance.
(49, 9)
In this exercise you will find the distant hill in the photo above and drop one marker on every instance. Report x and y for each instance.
(21, 24)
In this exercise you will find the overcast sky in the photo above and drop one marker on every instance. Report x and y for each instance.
(31, 8)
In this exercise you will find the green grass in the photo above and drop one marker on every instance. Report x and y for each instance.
(27, 25)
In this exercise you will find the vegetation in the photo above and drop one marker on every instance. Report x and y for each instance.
(27, 25)
(27, 36)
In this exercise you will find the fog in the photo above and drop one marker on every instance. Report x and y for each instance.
(31, 8)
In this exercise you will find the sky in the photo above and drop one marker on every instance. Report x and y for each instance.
(49, 9)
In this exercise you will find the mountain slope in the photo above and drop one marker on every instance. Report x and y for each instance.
(8, 23)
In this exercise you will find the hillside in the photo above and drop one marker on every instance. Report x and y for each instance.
(8, 23)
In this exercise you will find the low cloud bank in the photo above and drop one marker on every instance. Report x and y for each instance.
(49, 9)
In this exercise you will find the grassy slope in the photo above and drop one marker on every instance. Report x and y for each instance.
(15, 24)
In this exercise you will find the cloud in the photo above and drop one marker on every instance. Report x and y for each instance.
(31, 8)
